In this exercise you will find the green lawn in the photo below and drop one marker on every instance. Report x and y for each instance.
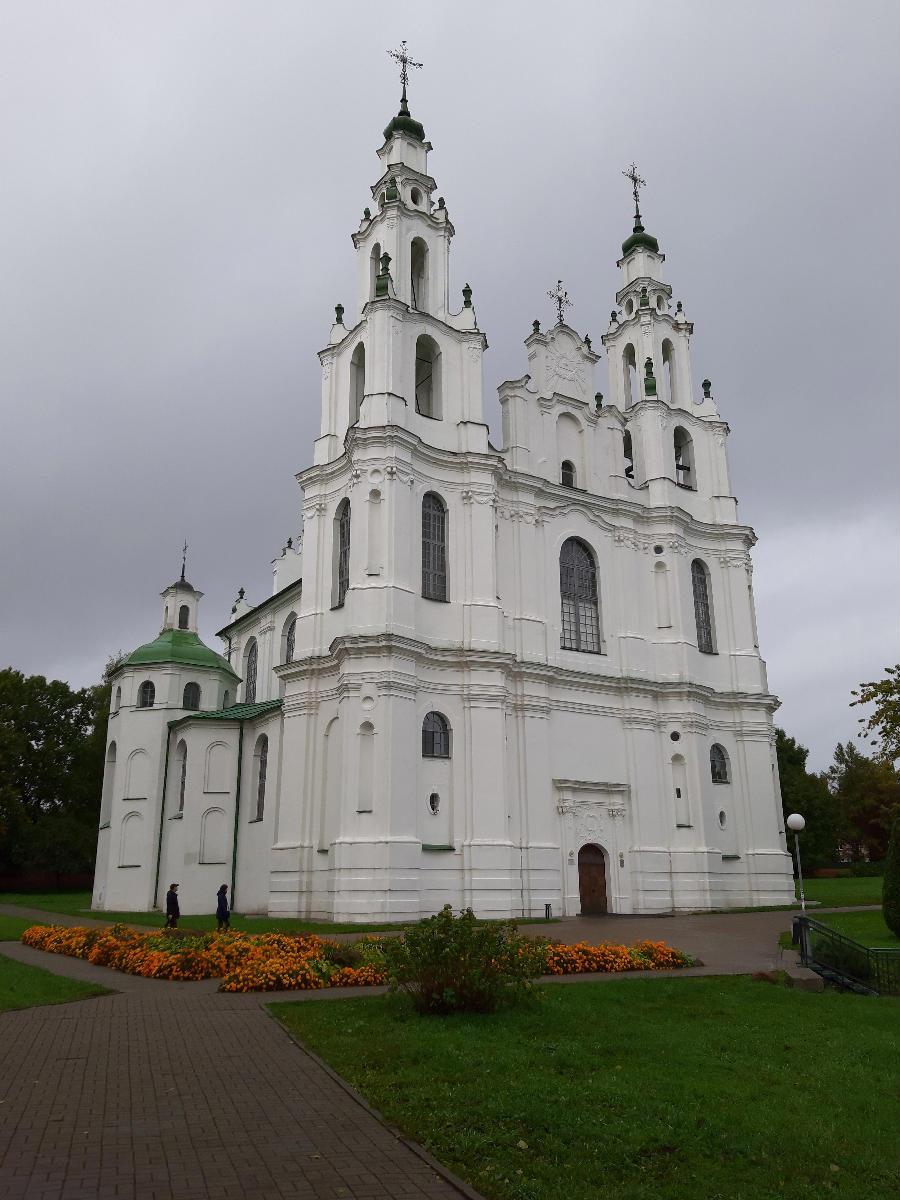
(12, 928)
(844, 892)
(865, 927)
(23, 986)
(634, 1089)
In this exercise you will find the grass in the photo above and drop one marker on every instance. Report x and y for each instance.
(634, 1089)
(12, 928)
(845, 891)
(23, 986)
(865, 927)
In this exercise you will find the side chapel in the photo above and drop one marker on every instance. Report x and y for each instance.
(497, 678)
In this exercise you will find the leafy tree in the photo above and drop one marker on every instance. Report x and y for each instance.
(884, 722)
(52, 742)
(867, 793)
(808, 794)
(890, 891)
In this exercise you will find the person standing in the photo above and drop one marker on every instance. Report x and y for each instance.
(222, 913)
(173, 912)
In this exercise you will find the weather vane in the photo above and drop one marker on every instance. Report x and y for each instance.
(405, 62)
(636, 182)
(561, 300)
(184, 559)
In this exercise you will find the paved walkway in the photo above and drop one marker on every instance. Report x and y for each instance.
(174, 1091)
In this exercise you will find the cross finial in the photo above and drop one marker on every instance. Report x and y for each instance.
(402, 57)
(636, 182)
(184, 551)
(561, 300)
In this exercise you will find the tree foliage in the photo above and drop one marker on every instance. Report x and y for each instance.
(52, 742)
(808, 794)
(884, 722)
(890, 892)
(867, 795)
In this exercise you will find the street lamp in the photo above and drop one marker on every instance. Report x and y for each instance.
(797, 824)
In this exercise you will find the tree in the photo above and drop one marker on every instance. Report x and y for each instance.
(884, 722)
(808, 794)
(52, 744)
(867, 794)
(890, 891)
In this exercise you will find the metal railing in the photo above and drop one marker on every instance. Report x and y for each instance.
(844, 962)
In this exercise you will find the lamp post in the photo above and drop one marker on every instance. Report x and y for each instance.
(797, 823)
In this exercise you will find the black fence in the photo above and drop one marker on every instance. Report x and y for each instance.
(844, 962)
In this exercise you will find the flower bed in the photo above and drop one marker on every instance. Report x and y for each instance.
(287, 962)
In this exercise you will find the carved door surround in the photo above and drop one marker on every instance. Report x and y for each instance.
(595, 812)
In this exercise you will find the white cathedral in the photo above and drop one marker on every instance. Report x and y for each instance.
(498, 678)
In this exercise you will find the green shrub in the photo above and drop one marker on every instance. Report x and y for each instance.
(453, 964)
(890, 893)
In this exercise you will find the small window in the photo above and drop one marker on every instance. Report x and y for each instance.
(435, 736)
(567, 474)
(289, 639)
(226, 699)
(251, 663)
(723, 819)
(191, 698)
(146, 694)
(184, 616)
(118, 701)
(434, 803)
(718, 764)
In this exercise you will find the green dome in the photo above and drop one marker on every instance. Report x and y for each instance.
(178, 646)
(640, 238)
(404, 123)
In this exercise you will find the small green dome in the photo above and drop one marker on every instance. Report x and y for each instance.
(404, 123)
(640, 238)
(178, 646)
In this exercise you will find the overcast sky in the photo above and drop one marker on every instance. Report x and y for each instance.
(178, 184)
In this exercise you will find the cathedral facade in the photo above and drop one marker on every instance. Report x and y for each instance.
(498, 678)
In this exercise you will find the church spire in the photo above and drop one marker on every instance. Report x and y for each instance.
(403, 122)
(639, 237)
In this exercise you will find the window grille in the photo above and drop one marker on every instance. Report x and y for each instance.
(184, 615)
(435, 736)
(343, 571)
(434, 548)
(262, 756)
(250, 674)
(290, 640)
(146, 694)
(578, 595)
(191, 697)
(567, 474)
(702, 614)
(718, 764)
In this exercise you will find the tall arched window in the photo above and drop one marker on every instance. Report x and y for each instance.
(702, 607)
(357, 381)
(418, 274)
(250, 665)
(428, 377)
(718, 764)
(109, 784)
(628, 451)
(567, 473)
(146, 694)
(182, 773)
(684, 459)
(260, 765)
(671, 381)
(191, 698)
(629, 375)
(434, 548)
(374, 268)
(578, 594)
(435, 736)
(290, 638)
(118, 701)
(342, 553)
(184, 616)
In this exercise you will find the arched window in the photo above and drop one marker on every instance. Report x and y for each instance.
(191, 698)
(629, 375)
(146, 694)
(718, 764)
(290, 638)
(118, 701)
(435, 736)
(428, 377)
(260, 766)
(109, 784)
(684, 459)
(182, 773)
(357, 381)
(184, 615)
(342, 553)
(567, 473)
(669, 375)
(702, 607)
(374, 264)
(628, 450)
(418, 274)
(226, 699)
(578, 594)
(250, 665)
(434, 548)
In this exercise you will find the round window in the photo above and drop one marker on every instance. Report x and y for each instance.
(675, 736)
(658, 549)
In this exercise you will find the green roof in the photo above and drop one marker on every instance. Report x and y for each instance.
(237, 712)
(404, 123)
(179, 646)
(640, 237)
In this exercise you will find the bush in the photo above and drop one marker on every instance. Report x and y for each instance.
(453, 964)
(890, 892)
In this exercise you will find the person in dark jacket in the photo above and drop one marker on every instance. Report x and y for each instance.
(173, 912)
(222, 914)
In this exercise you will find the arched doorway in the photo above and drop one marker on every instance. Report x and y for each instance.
(592, 880)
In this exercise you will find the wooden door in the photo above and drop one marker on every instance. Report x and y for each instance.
(592, 880)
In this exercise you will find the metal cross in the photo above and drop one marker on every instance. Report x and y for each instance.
(405, 62)
(636, 182)
(561, 300)
(184, 559)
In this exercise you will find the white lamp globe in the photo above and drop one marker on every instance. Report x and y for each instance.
(796, 823)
